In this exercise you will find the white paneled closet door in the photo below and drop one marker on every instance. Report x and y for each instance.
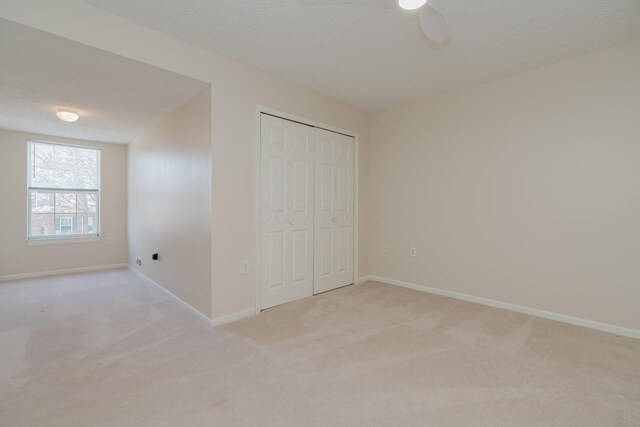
(333, 259)
(286, 215)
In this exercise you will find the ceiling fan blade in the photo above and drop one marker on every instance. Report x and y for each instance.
(434, 25)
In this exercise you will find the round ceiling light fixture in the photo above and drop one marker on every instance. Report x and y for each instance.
(67, 116)
(411, 4)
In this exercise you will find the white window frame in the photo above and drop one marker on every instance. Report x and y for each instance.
(61, 238)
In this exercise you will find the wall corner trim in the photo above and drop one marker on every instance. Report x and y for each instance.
(228, 318)
(191, 308)
(591, 324)
(60, 272)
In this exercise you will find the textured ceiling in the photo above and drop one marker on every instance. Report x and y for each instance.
(371, 54)
(115, 97)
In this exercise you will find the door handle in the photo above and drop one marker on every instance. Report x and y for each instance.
(292, 222)
(334, 220)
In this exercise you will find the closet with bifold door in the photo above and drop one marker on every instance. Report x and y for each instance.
(306, 212)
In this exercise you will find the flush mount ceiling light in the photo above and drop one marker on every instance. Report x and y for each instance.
(411, 4)
(67, 115)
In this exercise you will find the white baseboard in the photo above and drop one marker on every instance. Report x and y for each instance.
(194, 310)
(604, 327)
(218, 321)
(364, 279)
(59, 272)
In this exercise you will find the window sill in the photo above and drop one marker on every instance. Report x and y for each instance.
(63, 240)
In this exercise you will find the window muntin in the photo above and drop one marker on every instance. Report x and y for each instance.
(64, 191)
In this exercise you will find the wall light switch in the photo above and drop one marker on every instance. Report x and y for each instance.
(244, 267)
(413, 251)
(109, 241)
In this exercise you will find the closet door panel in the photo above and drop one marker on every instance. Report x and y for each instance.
(286, 215)
(334, 211)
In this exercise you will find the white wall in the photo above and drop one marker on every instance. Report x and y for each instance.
(236, 92)
(524, 189)
(16, 257)
(169, 206)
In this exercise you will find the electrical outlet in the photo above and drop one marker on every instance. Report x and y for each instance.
(109, 241)
(244, 267)
(139, 262)
(385, 249)
(413, 251)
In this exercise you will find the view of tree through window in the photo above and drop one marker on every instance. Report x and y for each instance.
(64, 186)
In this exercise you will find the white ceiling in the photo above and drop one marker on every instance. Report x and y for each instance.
(371, 54)
(115, 97)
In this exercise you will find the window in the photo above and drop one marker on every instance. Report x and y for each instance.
(65, 225)
(64, 191)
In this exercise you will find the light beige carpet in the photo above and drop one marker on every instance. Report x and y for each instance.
(107, 349)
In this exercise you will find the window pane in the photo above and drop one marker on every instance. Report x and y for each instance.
(65, 203)
(41, 201)
(87, 223)
(42, 225)
(60, 166)
(87, 202)
(42, 165)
